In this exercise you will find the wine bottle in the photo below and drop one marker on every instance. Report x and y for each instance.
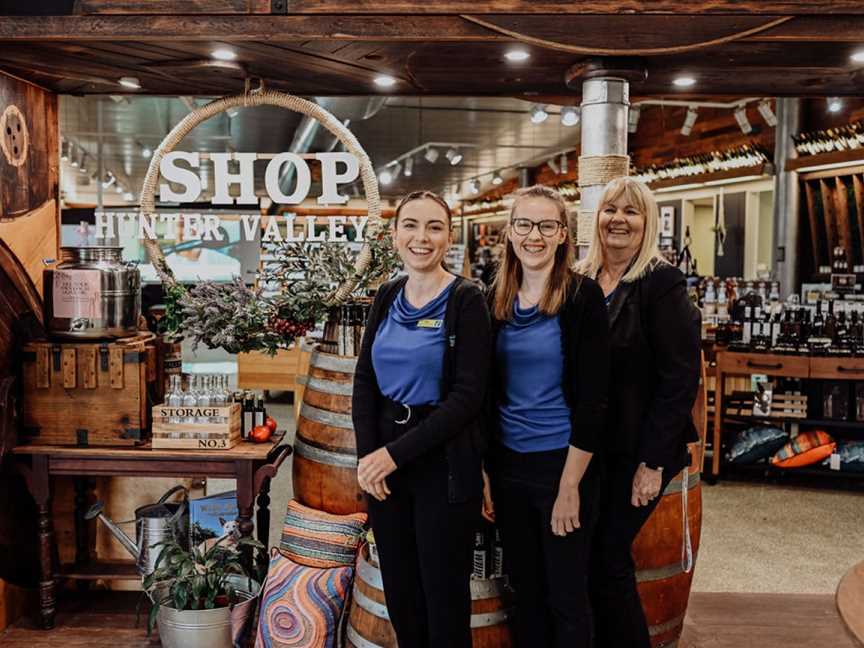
(248, 414)
(260, 415)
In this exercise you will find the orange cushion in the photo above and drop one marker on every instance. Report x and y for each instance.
(806, 449)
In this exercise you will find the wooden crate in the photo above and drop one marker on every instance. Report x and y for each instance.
(196, 436)
(88, 393)
(279, 372)
(783, 405)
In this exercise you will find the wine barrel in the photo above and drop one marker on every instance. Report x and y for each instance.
(369, 624)
(664, 585)
(325, 452)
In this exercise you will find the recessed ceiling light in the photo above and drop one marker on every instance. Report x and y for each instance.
(858, 57)
(385, 81)
(835, 104)
(517, 55)
(130, 82)
(223, 54)
(684, 82)
(538, 114)
(569, 116)
(146, 152)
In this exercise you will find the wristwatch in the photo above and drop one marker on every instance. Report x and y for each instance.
(657, 468)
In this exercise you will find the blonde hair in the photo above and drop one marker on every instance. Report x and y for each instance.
(509, 275)
(648, 255)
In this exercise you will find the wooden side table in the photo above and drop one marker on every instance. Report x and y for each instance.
(252, 465)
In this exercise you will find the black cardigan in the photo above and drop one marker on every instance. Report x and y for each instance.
(455, 421)
(656, 346)
(585, 346)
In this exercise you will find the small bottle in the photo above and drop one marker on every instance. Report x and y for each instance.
(204, 398)
(709, 303)
(174, 398)
(260, 412)
(190, 398)
(248, 414)
(481, 556)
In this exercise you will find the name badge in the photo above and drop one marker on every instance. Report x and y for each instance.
(430, 323)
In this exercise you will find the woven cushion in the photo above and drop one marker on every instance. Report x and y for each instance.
(851, 456)
(301, 606)
(318, 539)
(757, 443)
(806, 449)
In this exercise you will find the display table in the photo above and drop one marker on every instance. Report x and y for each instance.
(731, 363)
(252, 465)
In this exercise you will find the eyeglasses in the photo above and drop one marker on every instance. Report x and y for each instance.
(547, 228)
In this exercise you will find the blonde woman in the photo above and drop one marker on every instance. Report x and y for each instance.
(549, 385)
(655, 340)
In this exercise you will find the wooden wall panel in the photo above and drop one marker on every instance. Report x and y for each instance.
(29, 144)
(33, 237)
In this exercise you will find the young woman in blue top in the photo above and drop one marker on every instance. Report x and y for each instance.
(549, 386)
(420, 374)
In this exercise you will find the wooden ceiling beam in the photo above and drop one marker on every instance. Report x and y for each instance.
(695, 7)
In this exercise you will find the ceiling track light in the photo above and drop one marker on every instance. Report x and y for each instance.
(130, 82)
(633, 119)
(232, 112)
(431, 155)
(835, 104)
(689, 120)
(743, 122)
(453, 156)
(475, 186)
(64, 151)
(554, 166)
(570, 116)
(767, 113)
(538, 114)
(397, 169)
(385, 177)
(563, 164)
(497, 179)
(409, 167)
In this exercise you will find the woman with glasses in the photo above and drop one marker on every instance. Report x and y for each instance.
(421, 371)
(655, 339)
(549, 386)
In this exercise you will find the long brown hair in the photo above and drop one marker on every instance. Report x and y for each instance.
(509, 275)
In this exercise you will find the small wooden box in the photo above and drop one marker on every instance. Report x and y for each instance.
(87, 393)
(196, 436)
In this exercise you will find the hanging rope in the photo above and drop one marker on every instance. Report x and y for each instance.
(263, 97)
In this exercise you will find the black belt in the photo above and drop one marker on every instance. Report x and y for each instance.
(402, 414)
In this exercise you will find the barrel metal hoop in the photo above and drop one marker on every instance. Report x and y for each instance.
(490, 618)
(330, 362)
(326, 457)
(369, 574)
(667, 571)
(327, 418)
(329, 386)
(676, 484)
(484, 588)
(660, 628)
(357, 640)
(372, 607)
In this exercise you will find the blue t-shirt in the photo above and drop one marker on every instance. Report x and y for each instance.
(408, 351)
(534, 414)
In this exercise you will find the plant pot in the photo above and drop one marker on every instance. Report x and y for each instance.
(216, 628)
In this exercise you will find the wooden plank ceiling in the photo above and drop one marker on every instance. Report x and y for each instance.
(338, 47)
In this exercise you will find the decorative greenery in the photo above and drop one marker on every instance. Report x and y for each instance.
(196, 579)
(302, 278)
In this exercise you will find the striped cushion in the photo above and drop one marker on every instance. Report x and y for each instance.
(318, 539)
(301, 606)
(804, 450)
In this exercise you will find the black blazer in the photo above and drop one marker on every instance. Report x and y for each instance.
(585, 347)
(656, 344)
(455, 422)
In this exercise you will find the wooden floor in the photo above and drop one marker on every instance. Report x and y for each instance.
(713, 621)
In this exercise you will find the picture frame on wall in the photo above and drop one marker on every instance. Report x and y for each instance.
(667, 222)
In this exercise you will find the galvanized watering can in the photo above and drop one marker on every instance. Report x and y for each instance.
(154, 523)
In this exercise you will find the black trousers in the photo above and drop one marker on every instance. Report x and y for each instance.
(548, 572)
(618, 615)
(425, 548)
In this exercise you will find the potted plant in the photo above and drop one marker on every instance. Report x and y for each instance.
(202, 597)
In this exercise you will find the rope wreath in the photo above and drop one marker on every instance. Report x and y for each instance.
(263, 97)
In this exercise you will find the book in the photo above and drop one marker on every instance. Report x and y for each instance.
(211, 518)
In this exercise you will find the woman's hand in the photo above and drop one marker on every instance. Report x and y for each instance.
(488, 511)
(565, 512)
(372, 470)
(646, 485)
